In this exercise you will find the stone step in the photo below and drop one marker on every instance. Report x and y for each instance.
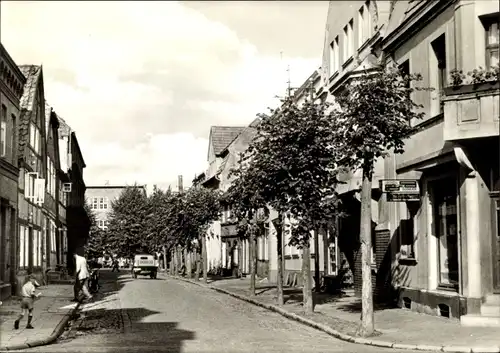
(492, 299)
(472, 320)
(488, 309)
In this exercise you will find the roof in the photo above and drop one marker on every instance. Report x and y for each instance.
(48, 111)
(222, 136)
(33, 75)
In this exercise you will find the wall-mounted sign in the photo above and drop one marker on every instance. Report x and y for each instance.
(400, 190)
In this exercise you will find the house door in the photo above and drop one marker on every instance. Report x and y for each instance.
(496, 241)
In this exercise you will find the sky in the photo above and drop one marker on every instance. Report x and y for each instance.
(141, 83)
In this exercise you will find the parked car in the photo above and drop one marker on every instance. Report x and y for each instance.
(145, 264)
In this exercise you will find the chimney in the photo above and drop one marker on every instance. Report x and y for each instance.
(179, 184)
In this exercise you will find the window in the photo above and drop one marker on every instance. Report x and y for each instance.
(446, 229)
(408, 230)
(13, 137)
(103, 224)
(364, 24)
(29, 185)
(35, 138)
(438, 70)
(35, 248)
(334, 56)
(348, 41)
(492, 41)
(63, 197)
(53, 231)
(103, 203)
(51, 173)
(95, 203)
(23, 246)
(3, 132)
(404, 69)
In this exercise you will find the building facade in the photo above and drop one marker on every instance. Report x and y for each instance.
(72, 166)
(446, 248)
(99, 199)
(12, 83)
(438, 255)
(51, 202)
(219, 139)
(32, 176)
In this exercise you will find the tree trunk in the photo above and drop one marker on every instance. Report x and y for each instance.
(367, 325)
(171, 269)
(165, 258)
(176, 263)
(279, 250)
(317, 277)
(240, 258)
(253, 262)
(180, 260)
(198, 264)
(326, 243)
(306, 276)
(204, 258)
(187, 262)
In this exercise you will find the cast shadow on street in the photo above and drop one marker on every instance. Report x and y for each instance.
(135, 332)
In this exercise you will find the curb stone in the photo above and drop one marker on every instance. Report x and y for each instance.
(58, 331)
(343, 336)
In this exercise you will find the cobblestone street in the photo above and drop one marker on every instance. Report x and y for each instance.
(166, 315)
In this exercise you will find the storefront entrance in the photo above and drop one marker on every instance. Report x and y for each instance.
(445, 196)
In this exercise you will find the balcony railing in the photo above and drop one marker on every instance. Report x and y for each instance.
(471, 111)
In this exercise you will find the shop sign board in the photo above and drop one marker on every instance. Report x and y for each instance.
(400, 190)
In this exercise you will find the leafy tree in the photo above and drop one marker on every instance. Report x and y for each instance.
(127, 229)
(372, 117)
(198, 208)
(292, 164)
(160, 220)
(95, 245)
(245, 200)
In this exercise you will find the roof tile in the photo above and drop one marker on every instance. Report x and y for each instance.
(33, 74)
(222, 136)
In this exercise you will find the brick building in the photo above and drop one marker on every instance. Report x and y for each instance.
(12, 83)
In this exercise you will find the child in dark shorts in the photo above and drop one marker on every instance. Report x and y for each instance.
(27, 301)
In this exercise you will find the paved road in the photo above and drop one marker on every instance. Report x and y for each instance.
(165, 315)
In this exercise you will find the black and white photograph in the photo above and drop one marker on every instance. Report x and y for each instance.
(250, 176)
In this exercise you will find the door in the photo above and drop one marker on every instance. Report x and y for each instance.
(496, 241)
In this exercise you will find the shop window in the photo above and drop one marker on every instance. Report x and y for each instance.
(446, 229)
(408, 230)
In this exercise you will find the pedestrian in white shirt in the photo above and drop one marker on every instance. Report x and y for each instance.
(81, 277)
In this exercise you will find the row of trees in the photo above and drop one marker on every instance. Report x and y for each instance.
(162, 222)
(293, 163)
(291, 167)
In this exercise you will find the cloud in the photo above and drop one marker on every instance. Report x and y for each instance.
(142, 82)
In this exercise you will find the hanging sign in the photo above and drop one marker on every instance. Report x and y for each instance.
(400, 190)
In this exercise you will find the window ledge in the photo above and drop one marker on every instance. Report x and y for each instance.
(333, 76)
(409, 261)
(365, 44)
(347, 62)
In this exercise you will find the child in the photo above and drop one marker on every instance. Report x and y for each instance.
(29, 296)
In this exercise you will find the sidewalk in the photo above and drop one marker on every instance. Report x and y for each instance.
(53, 306)
(397, 327)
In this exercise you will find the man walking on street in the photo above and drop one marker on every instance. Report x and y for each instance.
(81, 277)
